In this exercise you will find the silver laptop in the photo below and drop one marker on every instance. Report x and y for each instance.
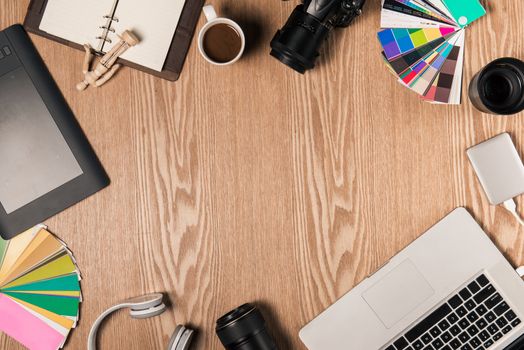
(449, 289)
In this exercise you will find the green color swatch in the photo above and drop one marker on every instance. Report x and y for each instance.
(65, 306)
(62, 283)
(465, 11)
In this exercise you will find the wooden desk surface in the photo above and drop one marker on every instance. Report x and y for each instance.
(254, 183)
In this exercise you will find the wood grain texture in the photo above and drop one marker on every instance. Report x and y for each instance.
(253, 183)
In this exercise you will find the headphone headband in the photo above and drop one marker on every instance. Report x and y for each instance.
(144, 307)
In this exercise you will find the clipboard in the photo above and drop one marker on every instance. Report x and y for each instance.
(177, 52)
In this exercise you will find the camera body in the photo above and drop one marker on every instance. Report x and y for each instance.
(334, 13)
(297, 44)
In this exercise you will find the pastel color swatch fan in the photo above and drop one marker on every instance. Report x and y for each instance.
(423, 44)
(39, 289)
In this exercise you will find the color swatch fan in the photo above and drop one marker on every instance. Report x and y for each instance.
(423, 44)
(39, 289)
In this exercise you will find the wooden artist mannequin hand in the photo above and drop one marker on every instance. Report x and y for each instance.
(106, 68)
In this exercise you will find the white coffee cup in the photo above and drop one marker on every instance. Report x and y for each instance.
(213, 20)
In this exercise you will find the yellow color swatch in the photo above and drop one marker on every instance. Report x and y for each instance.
(64, 293)
(16, 247)
(49, 248)
(62, 266)
(432, 33)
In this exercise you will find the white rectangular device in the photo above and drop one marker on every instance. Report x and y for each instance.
(498, 167)
(449, 289)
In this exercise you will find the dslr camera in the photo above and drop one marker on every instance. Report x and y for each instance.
(297, 44)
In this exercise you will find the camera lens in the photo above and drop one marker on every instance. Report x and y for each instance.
(244, 329)
(298, 43)
(499, 87)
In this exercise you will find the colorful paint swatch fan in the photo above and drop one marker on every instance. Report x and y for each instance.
(423, 44)
(39, 289)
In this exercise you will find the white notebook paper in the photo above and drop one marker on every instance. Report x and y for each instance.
(96, 22)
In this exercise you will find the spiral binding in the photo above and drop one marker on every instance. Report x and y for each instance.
(107, 40)
(112, 30)
(111, 18)
(107, 28)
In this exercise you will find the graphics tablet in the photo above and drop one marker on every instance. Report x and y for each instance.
(46, 161)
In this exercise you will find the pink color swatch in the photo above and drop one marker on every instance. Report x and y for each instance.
(18, 323)
(446, 30)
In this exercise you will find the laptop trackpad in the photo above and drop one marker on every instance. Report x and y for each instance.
(398, 293)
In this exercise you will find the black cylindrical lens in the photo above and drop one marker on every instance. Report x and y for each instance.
(499, 87)
(298, 43)
(244, 329)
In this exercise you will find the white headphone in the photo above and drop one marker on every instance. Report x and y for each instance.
(144, 307)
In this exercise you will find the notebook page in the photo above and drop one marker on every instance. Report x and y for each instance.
(154, 22)
(78, 21)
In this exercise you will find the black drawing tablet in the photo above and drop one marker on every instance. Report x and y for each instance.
(46, 162)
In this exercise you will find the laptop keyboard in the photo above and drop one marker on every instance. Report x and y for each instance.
(473, 319)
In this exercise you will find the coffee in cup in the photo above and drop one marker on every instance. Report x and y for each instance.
(221, 41)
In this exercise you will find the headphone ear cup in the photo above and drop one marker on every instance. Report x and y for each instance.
(152, 311)
(181, 338)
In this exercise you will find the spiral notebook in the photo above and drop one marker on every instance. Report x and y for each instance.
(98, 22)
(165, 28)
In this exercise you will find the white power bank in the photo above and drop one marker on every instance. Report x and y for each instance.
(498, 167)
